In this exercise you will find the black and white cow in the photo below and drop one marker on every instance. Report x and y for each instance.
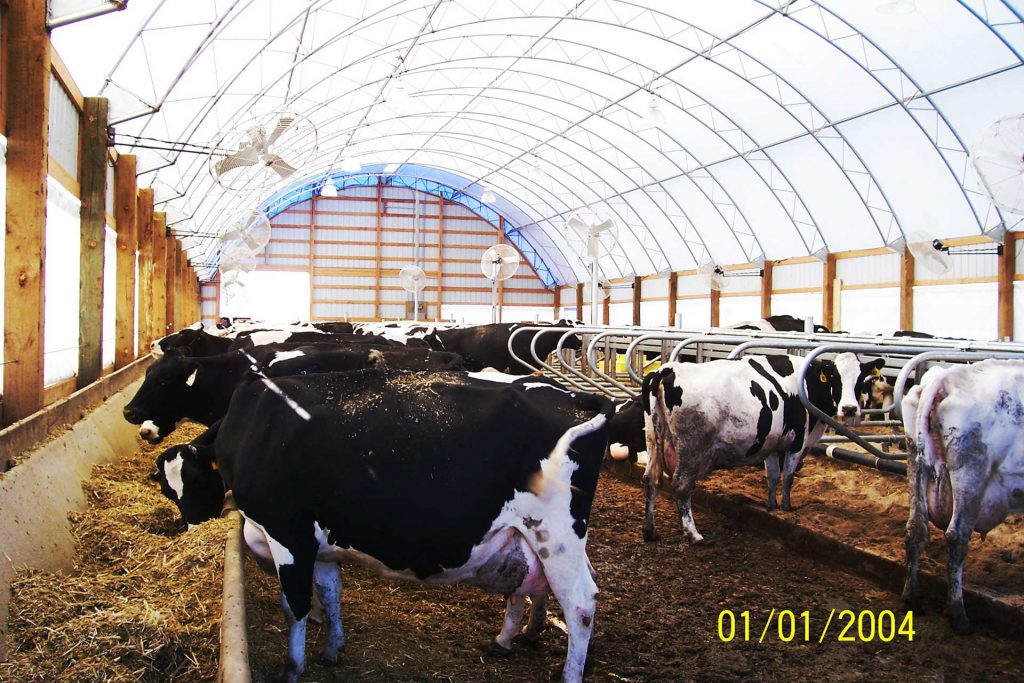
(179, 387)
(728, 413)
(193, 340)
(626, 440)
(247, 340)
(345, 467)
(334, 327)
(777, 323)
(192, 467)
(966, 469)
(485, 346)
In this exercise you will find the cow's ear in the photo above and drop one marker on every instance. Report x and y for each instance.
(877, 365)
(154, 475)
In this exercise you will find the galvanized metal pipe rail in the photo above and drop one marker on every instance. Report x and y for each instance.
(899, 390)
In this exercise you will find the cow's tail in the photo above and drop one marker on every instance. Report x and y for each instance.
(556, 470)
(652, 402)
(931, 447)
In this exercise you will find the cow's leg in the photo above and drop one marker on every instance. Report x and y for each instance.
(791, 464)
(652, 474)
(538, 619)
(968, 483)
(327, 578)
(683, 483)
(771, 473)
(502, 645)
(568, 575)
(917, 528)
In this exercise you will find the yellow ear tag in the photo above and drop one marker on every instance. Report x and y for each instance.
(877, 372)
(823, 378)
(213, 464)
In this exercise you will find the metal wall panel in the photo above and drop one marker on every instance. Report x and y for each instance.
(869, 270)
(693, 284)
(738, 309)
(797, 275)
(64, 123)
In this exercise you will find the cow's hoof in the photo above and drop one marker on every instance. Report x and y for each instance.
(651, 536)
(701, 541)
(961, 626)
(787, 507)
(524, 638)
(496, 649)
(769, 506)
(326, 658)
(289, 673)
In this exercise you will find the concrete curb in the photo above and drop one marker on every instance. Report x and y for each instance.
(997, 612)
(234, 641)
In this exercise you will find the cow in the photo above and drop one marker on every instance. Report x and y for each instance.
(194, 340)
(777, 323)
(728, 413)
(487, 345)
(348, 469)
(626, 432)
(179, 387)
(334, 327)
(192, 467)
(965, 425)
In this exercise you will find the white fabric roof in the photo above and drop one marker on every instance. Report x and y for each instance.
(789, 126)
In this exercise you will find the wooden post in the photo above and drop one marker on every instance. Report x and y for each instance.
(606, 309)
(378, 252)
(828, 289)
(557, 304)
(144, 221)
(440, 254)
(766, 290)
(179, 289)
(27, 58)
(637, 291)
(716, 301)
(907, 291)
(127, 240)
(673, 298)
(579, 301)
(1007, 271)
(93, 179)
(159, 285)
(170, 285)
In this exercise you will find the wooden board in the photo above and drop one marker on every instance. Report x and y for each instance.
(93, 169)
(124, 215)
(144, 223)
(1007, 270)
(766, 290)
(158, 326)
(27, 55)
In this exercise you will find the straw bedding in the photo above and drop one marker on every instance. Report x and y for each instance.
(142, 602)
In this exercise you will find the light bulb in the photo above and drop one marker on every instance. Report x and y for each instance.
(654, 115)
(329, 189)
(488, 196)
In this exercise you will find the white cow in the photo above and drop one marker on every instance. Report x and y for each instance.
(966, 470)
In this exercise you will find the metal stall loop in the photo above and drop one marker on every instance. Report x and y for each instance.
(592, 357)
(568, 366)
(839, 427)
(899, 389)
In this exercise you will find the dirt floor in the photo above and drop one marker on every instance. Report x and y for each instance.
(142, 602)
(868, 509)
(657, 616)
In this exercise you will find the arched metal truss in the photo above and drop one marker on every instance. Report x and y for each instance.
(794, 126)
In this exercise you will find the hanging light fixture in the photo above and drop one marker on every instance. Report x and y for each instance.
(349, 164)
(653, 114)
(537, 172)
(329, 189)
(488, 196)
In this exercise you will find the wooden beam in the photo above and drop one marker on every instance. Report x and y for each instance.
(606, 310)
(1007, 271)
(159, 284)
(144, 223)
(828, 289)
(907, 291)
(312, 250)
(673, 298)
(637, 291)
(378, 253)
(579, 301)
(557, 306)
(179, 290)
(440, 254)
(766, 290)
(170, 284)
(27, 58)
(93, 142)
(124, 214)
(716, 299)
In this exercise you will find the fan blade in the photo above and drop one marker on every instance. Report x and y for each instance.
(282, 167)
(603, 225)
(283, 124)
(246, 156)
(578, 225)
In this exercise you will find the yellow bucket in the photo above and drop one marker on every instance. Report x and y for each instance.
(620, 366)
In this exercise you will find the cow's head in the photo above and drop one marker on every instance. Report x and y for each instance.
(188, 476)
(851, 380)
(182, 339)
(165, 396)
(875, 392)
